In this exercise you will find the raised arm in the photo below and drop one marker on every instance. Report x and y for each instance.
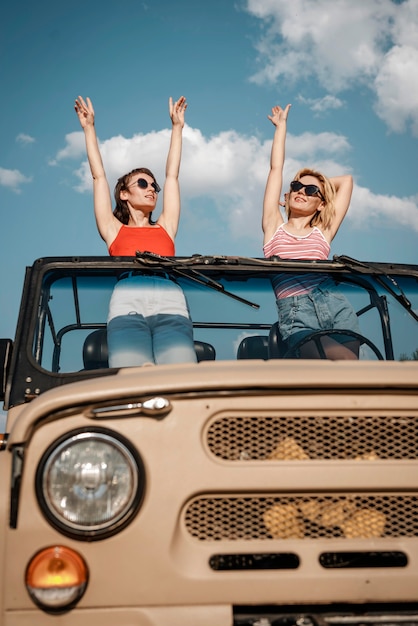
(272, 217)
(344, 188)
(106, 222)
(170, 215)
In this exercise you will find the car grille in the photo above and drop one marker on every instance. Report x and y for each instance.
(320, 437)
(248, 515)
(313, 516)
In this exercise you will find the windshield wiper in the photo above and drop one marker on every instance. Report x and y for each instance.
(378, 272)
(150, 259)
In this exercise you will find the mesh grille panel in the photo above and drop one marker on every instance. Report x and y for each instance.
(212, 518)
(314, 437)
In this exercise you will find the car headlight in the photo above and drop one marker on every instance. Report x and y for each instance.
(90, 483)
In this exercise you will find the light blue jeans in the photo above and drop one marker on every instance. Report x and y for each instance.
(149, 322)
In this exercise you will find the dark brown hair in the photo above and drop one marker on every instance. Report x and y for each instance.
(121, 211)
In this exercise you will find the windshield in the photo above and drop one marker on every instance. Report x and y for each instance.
(70, 333)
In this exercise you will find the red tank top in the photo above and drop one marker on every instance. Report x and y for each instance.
(131, 239)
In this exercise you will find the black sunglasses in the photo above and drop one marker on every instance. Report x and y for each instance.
(310, 190)
(141, 182)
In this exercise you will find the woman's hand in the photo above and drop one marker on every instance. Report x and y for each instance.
(278, 114)
(177, 110)
(85, 112)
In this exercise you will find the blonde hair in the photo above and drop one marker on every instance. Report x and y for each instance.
(324, 217)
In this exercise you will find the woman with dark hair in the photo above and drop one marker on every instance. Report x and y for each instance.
(315, 207)
(148, 319)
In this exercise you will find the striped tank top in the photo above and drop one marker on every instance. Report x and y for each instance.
(311, 247)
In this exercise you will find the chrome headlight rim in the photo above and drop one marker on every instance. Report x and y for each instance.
(106, 530)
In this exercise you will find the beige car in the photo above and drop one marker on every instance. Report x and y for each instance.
(255, 487)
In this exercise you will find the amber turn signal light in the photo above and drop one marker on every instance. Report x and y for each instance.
(56, 578)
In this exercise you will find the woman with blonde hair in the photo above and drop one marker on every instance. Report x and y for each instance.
(315, 207)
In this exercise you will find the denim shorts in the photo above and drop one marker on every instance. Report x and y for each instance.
(323, 308)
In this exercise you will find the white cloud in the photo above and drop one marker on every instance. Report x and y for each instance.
(336, 41)
(405, 26)
(367, 208)
(23, 138)
(320, 105)
(223, 176)
(75, 147)
(119, 154)
(344, 45)
(310, 146)
(13, 179)
(397, 89)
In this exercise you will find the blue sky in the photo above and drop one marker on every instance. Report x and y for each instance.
(349, 68)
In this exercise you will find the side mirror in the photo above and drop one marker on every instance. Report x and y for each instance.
(6, 346)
